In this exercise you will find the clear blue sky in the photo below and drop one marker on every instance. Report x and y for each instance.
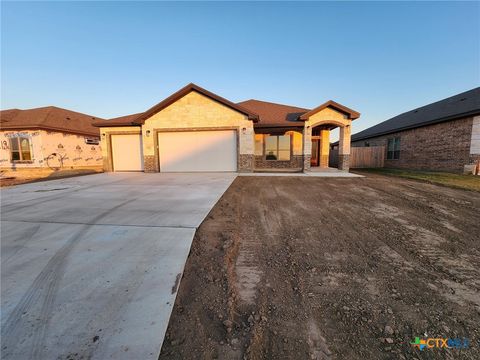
(116, 58)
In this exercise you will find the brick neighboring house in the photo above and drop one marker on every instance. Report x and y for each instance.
(443, 136)
(48, 138)
(196, 130)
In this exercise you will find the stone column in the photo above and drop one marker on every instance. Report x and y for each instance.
(246, 149)
(307, 146)
(344, 148)
(150, 146)
(324, 148)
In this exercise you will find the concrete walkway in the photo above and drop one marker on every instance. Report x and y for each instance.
(91, 265)
(316, 173)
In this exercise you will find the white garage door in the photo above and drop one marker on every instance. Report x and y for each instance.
(198, 151)
(127, 152)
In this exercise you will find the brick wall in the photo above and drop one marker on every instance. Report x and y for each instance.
(295, 162)
(443, 146)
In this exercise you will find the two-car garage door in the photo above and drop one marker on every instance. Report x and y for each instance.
(179, 151)
(197, 151)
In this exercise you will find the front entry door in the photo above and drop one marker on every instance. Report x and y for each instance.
(315, 148)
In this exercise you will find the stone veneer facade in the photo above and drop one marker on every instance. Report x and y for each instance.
(245, 162)
(295, 162)
(344, 162)
(196, 112)
(150, 164)
(446, 146)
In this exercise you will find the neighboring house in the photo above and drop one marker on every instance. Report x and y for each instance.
(196, 130)
(443, 136)
(48, 137)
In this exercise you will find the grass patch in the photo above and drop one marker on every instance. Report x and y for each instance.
(467, 182)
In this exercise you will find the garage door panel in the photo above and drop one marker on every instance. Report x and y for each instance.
(127, 152)
(190, 151)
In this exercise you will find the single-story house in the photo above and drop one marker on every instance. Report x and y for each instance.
(197, 130)
(442, 136)
(48, 137)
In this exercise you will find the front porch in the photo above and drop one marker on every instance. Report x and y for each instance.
(321, 156)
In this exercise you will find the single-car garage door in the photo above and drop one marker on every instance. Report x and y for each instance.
(127, 152)
(198, 151)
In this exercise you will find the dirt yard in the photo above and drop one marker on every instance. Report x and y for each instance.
(322, 268)
(24, 176)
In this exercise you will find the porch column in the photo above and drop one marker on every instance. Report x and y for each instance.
(344, 148)
(307, 146)
(324, 148)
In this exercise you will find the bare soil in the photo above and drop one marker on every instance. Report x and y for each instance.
(330, 268)
(25, 176)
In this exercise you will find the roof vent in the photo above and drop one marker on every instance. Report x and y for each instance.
(463, 99)
(67, 118)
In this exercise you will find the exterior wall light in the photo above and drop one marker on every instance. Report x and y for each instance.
(244, 131)
(103, 135)
(147, 132)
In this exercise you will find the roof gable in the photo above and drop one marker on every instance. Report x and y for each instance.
(186, 90)
(352, 114)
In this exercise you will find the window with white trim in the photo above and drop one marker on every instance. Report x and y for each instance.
(20, 149)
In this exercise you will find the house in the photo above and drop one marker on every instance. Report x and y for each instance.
(197, 130)
(442, 136)
(48, 137)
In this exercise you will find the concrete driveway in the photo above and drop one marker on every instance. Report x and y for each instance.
(91, 265)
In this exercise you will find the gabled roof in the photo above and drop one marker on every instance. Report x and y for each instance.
(457, 106)
(274, 115)
(139, 119)
(352, 114)
(49, 118)
(184, 91)
(263, 113)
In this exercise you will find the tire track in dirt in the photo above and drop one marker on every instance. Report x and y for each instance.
(342, 274)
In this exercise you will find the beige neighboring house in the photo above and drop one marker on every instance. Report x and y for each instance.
(197, 130)
(48, 138)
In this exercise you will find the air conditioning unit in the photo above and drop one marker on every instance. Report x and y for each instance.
(92, 141)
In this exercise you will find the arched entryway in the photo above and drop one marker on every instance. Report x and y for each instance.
(316, 140)
(321, 157)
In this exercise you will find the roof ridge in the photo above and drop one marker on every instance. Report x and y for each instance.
(273, 103)
(444, 100)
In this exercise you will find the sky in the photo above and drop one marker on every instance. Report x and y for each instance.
(111, 59)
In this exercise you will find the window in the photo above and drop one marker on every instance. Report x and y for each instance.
(259, 144)
(277, 147)
(393, 149)
(20, 149)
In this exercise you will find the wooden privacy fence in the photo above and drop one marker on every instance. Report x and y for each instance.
(333, 158)
(367, 157)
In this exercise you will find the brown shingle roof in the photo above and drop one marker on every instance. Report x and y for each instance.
(49, 118)
(127, 120)
(272, 114)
